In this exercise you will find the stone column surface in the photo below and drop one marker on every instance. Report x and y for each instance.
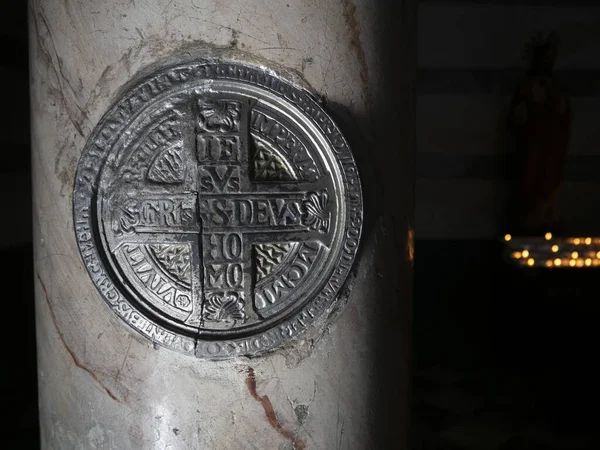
(103, 386)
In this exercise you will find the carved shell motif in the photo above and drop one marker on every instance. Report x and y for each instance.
(219, 115)
(126, 218)
(316, 216)
(224, 307)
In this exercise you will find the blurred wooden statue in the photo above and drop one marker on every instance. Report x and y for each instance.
(540, 115)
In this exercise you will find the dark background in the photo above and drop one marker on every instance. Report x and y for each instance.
(20, 424)
(503, 358)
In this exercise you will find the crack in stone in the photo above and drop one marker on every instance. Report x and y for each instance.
(356, 43)
(297, 443)
(71, 353)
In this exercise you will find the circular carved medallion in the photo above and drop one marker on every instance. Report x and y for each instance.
(218, 209)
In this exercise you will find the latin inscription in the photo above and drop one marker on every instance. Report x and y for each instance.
(217, 149)
(272, 291)
(253, 213)
(287, 140)
(157, 283)
(186, 205)
(154, 214)
(224, 259)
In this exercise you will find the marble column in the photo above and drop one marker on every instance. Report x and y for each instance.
(102, 386)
